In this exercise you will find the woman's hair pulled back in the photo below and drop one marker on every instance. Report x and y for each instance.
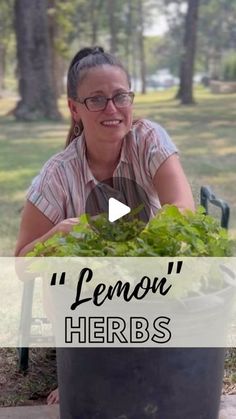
(84, 60)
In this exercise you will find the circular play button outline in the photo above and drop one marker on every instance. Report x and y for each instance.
(118, 209)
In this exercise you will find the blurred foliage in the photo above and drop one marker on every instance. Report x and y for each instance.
(6, 37)
(216, 34)
(6, 21)
(229, 68)
(84, 22)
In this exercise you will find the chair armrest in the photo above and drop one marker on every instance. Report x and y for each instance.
(207, 196)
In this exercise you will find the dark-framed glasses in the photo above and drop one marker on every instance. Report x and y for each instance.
(99, 103)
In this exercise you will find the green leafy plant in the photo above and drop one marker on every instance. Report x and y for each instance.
(170, 233)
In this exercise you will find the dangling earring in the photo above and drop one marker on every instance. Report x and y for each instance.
(77, 130)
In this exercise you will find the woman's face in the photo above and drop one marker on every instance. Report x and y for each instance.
(112, 123)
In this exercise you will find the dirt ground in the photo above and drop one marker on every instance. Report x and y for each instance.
(230, 372)
(18, 389)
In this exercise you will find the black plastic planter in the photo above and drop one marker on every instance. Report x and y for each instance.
(174, 383)
(163, 383)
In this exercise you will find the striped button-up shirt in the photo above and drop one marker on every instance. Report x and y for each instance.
(61, 189)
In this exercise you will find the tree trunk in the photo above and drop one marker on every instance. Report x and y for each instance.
(128, 32)
(2, 66)
(185, 92)
(112, 26)
(57, 61)
(38, 97)
(141, 47)
(94, 21)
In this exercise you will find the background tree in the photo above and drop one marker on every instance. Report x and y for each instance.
(62, 32)
(89, 19)
(141, 46)
(137, 17)
(95, 7)
(56, 58)
(217, 39)
(6, 26)
(120, 26)
(170, 43)
(185, 92)
(111, 7)
(38, 98)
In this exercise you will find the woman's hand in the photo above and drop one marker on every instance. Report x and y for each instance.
(64, 226)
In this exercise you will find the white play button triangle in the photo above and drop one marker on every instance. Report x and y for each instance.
(116, 209)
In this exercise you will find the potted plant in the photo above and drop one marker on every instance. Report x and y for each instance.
(170, 383)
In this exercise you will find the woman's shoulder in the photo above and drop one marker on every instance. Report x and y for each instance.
(142, 123)
(61, 159)
(145, 129)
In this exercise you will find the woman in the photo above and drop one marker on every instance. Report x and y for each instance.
(103, 143)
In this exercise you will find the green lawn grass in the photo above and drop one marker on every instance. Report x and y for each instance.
(204, 134)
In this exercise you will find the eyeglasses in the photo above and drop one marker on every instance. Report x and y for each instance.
(99, 103)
